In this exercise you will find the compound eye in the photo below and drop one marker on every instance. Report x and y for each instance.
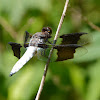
(48, 31)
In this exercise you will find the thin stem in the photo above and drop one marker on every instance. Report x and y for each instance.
(91, 24)
(51, 51)
(95, 27)
(8, 27)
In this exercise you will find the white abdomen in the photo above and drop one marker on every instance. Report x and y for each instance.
(30, 52)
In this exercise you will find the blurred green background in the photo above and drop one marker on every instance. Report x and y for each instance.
(77, 79)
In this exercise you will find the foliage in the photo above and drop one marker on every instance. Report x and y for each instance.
(68, 80)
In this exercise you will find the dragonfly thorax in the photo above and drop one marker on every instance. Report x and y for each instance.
(38, 38)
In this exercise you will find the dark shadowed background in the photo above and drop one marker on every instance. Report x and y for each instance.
(77, 79)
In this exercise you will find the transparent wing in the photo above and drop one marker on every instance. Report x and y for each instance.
(42, 54)
(62, 52)
(85, 39)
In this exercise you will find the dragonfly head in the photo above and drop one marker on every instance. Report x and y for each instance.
(47, 29)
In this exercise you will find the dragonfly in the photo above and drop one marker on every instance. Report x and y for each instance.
(40, 41)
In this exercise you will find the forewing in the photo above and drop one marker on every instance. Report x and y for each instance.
(16, 49)
(73, 38)
(27, 36)
(65, 52)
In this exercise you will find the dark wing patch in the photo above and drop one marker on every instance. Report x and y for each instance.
(66, 51)
(16, 49)
(72, 38)
(27, 35)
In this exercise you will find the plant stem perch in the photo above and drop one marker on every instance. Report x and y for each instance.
(51, 51)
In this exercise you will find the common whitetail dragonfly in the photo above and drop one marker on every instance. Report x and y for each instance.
(39, 41)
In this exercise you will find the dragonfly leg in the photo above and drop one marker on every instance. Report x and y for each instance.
(49, 42)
